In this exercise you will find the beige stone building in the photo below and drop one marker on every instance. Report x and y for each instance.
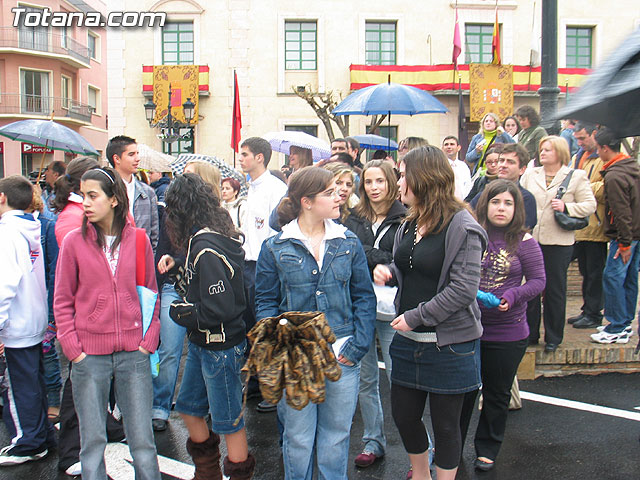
(277, 45)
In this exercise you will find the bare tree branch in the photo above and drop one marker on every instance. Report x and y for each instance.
(323, 104)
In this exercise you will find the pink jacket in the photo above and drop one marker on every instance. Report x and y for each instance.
(68, 220)
(96, 312)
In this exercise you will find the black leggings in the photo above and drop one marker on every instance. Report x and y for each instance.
(407, 407)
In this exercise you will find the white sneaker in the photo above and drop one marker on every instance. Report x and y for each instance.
(74, 470)
(604, 337)
(628, 330)
(7, 458)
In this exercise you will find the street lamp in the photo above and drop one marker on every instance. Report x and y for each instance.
(169, 126)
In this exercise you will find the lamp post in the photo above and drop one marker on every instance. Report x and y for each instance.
(169, 126)
(549, 86)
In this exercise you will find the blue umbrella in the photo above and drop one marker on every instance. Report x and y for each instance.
(372, 141)
(388, 98)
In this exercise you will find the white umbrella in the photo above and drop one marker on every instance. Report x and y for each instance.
(152, 160)
(283, 141)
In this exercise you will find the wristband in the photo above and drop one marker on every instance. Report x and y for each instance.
(622, 248)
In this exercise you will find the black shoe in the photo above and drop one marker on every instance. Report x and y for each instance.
(550, 347)
(266, 407)
(586, 322)
(572, 320)
(159, 424)
(482, 465)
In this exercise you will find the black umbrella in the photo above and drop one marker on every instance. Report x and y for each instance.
(611, 94)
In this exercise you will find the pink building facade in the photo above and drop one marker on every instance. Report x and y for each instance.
(47, 72)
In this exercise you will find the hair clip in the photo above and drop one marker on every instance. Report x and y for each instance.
(107, 174)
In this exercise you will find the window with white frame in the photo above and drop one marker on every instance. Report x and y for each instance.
(65, 90)
(93, 44)
(93, 99)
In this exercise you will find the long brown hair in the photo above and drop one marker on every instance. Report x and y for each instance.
(514, 232)
(429, 176)
(113, 186)
(364, 207)
(306, 182)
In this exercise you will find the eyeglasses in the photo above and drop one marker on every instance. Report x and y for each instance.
(329, 193)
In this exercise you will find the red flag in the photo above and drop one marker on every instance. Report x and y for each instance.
(495, 42)
(457, 44)
(236, 122)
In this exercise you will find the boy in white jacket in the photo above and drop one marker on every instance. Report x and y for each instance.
(23, 321)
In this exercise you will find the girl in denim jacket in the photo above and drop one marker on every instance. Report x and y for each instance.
(315, 264)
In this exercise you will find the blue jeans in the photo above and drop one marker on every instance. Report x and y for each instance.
(52, 376)
(620, 285)
(170, 351)
(91, 378)
(322, 429)
(369, 396)
(211, 383)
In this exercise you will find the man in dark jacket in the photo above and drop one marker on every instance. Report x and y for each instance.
(622, 225)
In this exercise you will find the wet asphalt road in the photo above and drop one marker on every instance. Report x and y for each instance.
(542, 441)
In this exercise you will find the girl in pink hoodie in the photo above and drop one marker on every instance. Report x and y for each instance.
(100, 324)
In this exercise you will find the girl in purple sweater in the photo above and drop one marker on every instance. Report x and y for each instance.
(512, 254)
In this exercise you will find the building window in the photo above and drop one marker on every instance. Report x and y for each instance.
(300, 49)
(93, 44)
(478, 39)
(93, 99)
(385, 131)
(579, 47)
(65, 89)
(380, 46)
(309, 129)
(35, 91)
(64, 37)
(184, 145)
(177, 43)
(33, 38)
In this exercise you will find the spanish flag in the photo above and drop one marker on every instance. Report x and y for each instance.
(495, 42)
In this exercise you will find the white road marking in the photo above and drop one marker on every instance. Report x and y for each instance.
(586, 407)
(118, 460)
(561, 402)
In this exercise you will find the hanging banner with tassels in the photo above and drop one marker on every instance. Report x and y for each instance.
(184, 84)
(490, 90)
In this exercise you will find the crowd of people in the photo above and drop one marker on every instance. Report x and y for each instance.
(446, 264)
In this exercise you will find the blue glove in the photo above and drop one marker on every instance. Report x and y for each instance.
(489, 300)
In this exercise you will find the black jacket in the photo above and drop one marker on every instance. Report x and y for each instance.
(215, 302)
(362, 228)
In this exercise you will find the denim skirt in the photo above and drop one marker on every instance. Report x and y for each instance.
(449, 369)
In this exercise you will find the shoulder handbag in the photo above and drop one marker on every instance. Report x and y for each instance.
(385, 295)
(146, 297)
(566, 221)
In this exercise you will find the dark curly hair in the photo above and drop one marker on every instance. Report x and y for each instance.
(192, 206)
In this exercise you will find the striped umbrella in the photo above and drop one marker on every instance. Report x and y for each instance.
(177, 166)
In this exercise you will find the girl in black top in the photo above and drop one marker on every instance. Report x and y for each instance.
(212, 310)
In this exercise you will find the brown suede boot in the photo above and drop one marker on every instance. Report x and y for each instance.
(240, 470)
(206, 458)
